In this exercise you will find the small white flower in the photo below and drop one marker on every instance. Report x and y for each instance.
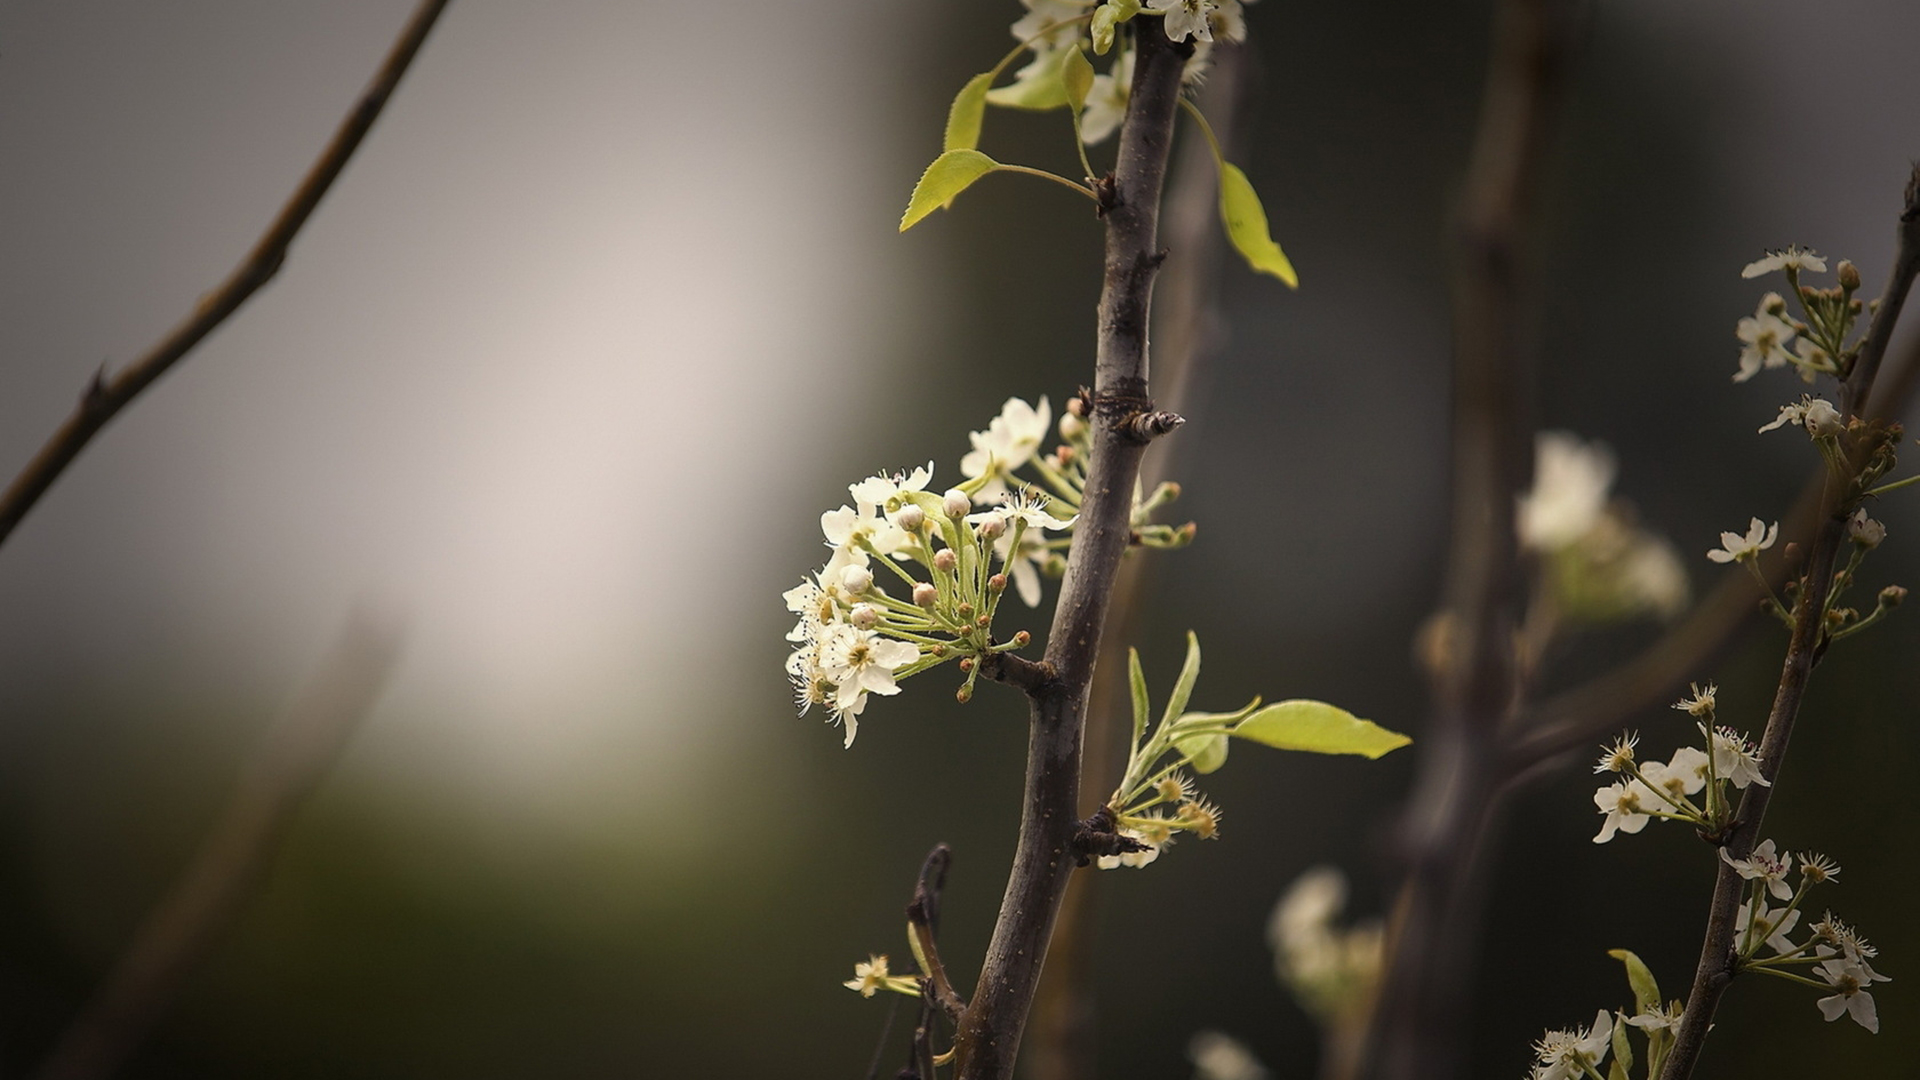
(1763, 865)
(1229, 21)
(1734, 759)
(1865, 531)
(851, 533)
(1699, 702)
(1817, 869)
(1010, 441)
(1185, 18)
(1042, 14)
(1567, 1054)
(1817, 415)
(1771, 925)
(1027, 506)
(1106, 108)
(1308, 907)
(1618, 756)
(1217, 1056)
(856, 579)
(1737, 548)
(1626, 805)
(1660, 1018)
(1811, 358)
(1765, 336)
(1570, 483)
(1131, 858)
(1850, 981)
(1853, 948)
(1685, 775)
(883, 491)
(1791, 258)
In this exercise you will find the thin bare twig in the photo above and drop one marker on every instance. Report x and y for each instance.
(190, 921)
(1413, 1030)
(1717, 965)
(104, 397)
(988, 1038)
(923, 922)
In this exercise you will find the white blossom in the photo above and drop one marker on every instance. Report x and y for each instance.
(1131, 858)
(1865, 531)
(1734, 759)
(1564, 1055)
(1042, 14)
(1229, 20)
(1850, 981)
(1790, 258)
(1817, 415)
(1106, 108)
(1737, 548)
(1765, 336)
(1010, 441)
(1185, 18)
(1771, 925)
(1569, 495)
(1626, 805)
(1699, 702)
(1660, 1018)
(1765, 866)
(883, 491)
(1685, 775)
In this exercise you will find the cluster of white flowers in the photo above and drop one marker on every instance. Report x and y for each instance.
(1331, 969)
(1833, 950)
(855, 639)
(1597, 564)
(1052, 27)
(1655, 789)
(1820, 340)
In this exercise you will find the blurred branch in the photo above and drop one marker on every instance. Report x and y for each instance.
(1187, 334)
(988, 1040)
(923, 922)
(105, 397)
(1588, 712)
(1414, 1033)
(189, 922)
(1717, 965)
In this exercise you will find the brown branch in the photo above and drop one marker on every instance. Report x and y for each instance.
(1414, 1032)
(989, 1033)
(105, 397)
(1577, 717)
(190, 921)
(1717, 965)
(923, 919)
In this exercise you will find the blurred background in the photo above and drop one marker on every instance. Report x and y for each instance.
(611, 305)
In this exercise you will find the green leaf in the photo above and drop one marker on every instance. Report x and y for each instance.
(1076, 78)
(950, 174)
(1318, 728)
(1246, 223)
(1183, 687)
(1622, 1053)
(1205, 753)
(1138, 679)
(1105, 18)
(968, 113)
(1039, 87)
(1646, 992)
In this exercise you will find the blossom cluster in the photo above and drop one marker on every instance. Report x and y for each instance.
(1052, 27)
(1668, 790)
(949, 557)
(1819, 341)
(1597, 563)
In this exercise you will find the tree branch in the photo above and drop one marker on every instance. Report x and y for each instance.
(1476, 683)
(1716, 967)
(923, 922)
(189, 922)
(105, 397)
(989, 1034)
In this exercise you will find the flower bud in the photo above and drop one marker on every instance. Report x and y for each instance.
(945, 560)
(856, 579)
(965, 611)
(925, 595)
(997, 583)
(956, 503)
(1823, 420)
(1774, 304)
(1865, 531)
(910, 518)
(963, 695)
(966, 663)
(1891, 596)
(992, 529)
(1848, 275)
(864, 616)
(1021, 638)
(1076, 406)
(1071, 426)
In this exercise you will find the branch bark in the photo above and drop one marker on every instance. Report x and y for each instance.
(1717, 968)
(105, 397)
(1413, 1029)
(190, 921)
(988, 1039)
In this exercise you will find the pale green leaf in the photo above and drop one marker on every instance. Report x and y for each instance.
(1319, 728)
(1646, 992)
(1105, 18)
(1206, 752)
(1039, 86)
(968, 113)
(1138, 679)
(1622, 1053)
(950, 174)
(1124, 9)
(1183, 687)
(1246, 222)
(1076, 78)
